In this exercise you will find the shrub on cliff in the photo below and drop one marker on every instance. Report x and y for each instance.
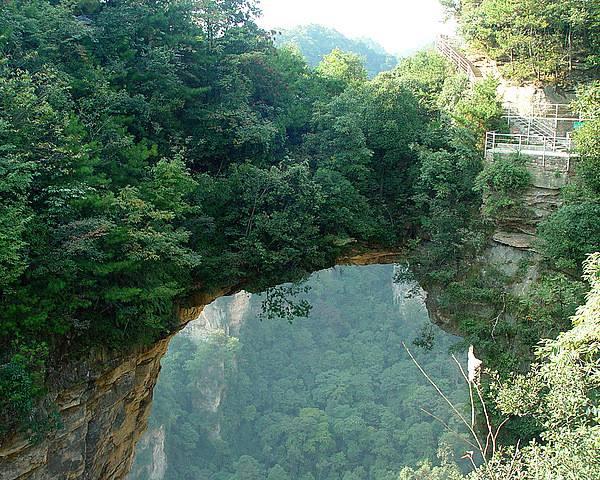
(502, 183)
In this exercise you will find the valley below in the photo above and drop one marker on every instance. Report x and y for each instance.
(330, 395)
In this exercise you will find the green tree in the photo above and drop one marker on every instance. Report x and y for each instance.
(541, 40)
(424, 74)
(571, 234)
(342, 67)
(248, 468)
(502, 183)
(277, 473)
(562, 393)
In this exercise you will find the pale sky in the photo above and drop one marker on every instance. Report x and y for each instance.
(398, 25)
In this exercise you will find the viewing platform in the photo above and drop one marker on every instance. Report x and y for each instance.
(542, 119)
(547, 153)
(543, 134)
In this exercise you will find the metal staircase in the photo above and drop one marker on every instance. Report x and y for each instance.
(542, 133)
(537, 127)
(534, 137)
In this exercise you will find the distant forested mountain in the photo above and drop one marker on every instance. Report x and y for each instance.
(316, 41)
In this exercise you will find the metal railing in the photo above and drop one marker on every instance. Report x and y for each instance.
(542, 118)
(528, 125)
(554, 111)
(546, 115)
(544, 139)
(447, 48)
(549, 153)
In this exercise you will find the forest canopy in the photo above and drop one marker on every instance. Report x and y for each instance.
(333, 396)
(149, 148)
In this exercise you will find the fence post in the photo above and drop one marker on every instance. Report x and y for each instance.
(544, 154)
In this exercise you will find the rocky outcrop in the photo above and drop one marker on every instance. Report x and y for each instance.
(540, 200)
(370, 258)
(520, 241)
(103, 411)
(102, 418)
(220, 316)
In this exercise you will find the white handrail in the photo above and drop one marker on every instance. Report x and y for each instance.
(555, 152)
(545, 110)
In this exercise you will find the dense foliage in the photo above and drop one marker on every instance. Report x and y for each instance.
(317, 41)
(450, 159)
(561, 394)
(333, 396)
(534, 39)
(573, 232)
(152, 147)
(502, 183)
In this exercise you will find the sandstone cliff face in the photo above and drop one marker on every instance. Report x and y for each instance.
(104, 411)
(540, 200)
(103, 416)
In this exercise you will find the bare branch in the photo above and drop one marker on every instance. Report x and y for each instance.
(451, 430)
(462, 418)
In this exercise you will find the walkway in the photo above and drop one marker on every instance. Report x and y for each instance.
(448, 47)
(542, 134)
